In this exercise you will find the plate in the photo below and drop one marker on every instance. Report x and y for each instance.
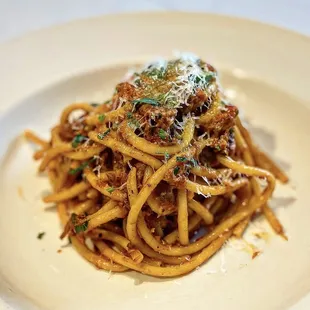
(266, 73)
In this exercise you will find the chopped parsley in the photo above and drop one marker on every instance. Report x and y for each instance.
(176, 170)
(78, 227)
(193, 162)
(218, 148)
(202, 79)
(208, 78)
(156, 73)
(81, 167)
(101, 118)
(110, 189)
(162, 134)
(101, 136)
(161, 97)
(137, 81)
(81, 228)
(77, 140)
(133, 122)
(129, 115)
(150, 101)
(40, 235)
(167, 156)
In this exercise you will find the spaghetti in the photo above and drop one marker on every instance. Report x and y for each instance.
(135, 178)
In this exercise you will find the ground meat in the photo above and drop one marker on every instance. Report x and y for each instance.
(118, 163)
(153, 220)
(216, 145)
(196, 101)
(117, 179)
(223, 120)
(140, 173)
(177, 176)
(165, 197)
(66, 132)
(69, 130)
(162, 117)
(154, 120)
(125, 92)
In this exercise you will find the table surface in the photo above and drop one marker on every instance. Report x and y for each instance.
(18, 17)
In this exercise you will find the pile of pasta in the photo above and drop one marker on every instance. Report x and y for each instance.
(157, 178)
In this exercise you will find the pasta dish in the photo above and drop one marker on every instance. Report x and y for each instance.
(160, 176)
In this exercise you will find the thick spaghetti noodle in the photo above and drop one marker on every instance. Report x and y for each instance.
(136, 177)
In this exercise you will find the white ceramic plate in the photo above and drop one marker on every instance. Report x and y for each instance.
(266, 71)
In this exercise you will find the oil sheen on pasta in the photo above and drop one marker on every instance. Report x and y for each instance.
(136, 177)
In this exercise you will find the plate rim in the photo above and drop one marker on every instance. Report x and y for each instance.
(151, 13)
(36, 35)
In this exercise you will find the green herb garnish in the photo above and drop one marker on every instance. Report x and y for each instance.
(193, 162)
(137, 81)
(81, 228)
(156, 73)
(77, 140)
(101, 136)
(150, 101)
(134, 123)
(161, 97)
(101, 118)
(218, 148)
(176, 170)
(81, 167)
(201, 79)
(162, 134)
(167, 156)
(110, 189)
(93, 104)
(40, 235)
(208, 78)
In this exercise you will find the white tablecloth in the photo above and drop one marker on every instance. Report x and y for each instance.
(18, 17)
